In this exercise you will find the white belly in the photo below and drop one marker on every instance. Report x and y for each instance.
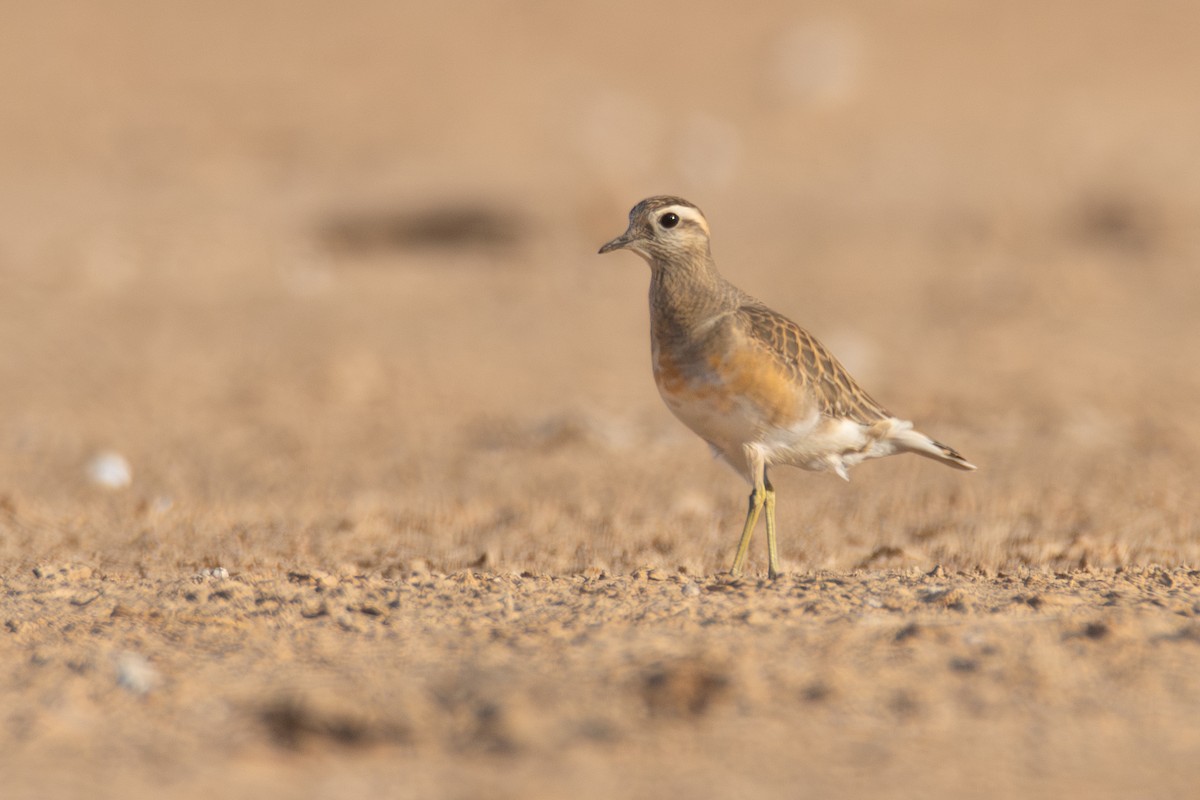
(816, 443)
(734, 426)
(726, 429)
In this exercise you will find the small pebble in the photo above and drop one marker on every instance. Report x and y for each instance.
(756, 618)
(64, 572)
(135, 673)
(110, 470)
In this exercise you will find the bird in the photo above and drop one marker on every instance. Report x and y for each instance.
(758, 388)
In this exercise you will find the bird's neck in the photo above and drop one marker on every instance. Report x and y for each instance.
(686, 295)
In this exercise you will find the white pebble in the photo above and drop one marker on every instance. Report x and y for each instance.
(135, 673)
(110, 470)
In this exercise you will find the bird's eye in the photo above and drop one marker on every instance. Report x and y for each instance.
(669, 220)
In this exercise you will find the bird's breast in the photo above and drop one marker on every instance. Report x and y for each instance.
(730, 396)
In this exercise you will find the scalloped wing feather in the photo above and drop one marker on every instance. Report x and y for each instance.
(810, 364)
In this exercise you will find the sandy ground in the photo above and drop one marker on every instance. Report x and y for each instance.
(403, 513)
(468, 684)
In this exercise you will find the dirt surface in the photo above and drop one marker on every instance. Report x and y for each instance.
(827, 683)
(331, 464)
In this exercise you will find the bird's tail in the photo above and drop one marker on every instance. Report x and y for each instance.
(913, 441)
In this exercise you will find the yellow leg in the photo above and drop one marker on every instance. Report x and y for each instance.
(758, 496)
(772, 547)
(756, 504)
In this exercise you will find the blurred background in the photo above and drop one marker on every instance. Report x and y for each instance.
(296, 282)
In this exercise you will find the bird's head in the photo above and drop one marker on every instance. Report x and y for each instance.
(663, 230)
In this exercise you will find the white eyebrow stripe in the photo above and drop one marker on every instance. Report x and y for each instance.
(688, 213)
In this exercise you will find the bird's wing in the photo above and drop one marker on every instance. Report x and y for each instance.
(810, 364)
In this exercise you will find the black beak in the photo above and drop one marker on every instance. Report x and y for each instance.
(616, 244)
